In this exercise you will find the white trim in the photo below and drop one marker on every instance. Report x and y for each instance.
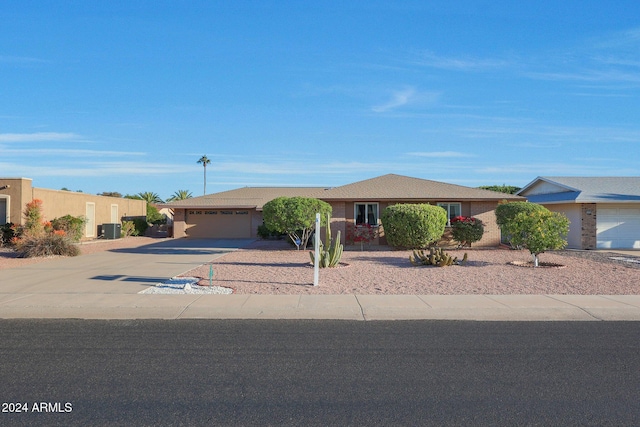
(7, 206)
(115, 220)
(90, 227)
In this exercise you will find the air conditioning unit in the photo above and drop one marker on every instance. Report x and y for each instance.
(111, 231)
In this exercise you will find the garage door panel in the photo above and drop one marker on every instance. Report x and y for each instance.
(227, 224)
(618, 227)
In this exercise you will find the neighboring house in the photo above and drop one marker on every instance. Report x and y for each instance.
(15, 193)
(238, 213)
(604, 211)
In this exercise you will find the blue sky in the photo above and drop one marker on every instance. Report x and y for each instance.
(126, 96)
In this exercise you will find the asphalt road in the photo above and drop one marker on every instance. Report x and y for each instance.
(191, 372)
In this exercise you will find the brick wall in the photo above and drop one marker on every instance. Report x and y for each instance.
(589, 223)
(485, 212)
(338, 220)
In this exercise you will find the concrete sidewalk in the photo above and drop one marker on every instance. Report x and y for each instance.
(105, 285)
(346, 307)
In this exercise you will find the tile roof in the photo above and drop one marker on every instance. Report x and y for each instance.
(386, 187)
(608, 189)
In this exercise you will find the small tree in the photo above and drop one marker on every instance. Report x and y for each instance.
(33, 217)
(506, 212)
(539, 231)
(295, 216)
(413, 226)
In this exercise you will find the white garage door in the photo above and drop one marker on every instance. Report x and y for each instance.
(218, 224)
(618, 227)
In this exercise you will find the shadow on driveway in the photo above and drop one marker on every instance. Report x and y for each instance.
(188, 247)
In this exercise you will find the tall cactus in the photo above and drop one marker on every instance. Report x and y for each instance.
(329, 257)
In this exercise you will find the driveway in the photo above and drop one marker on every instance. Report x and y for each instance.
(116, 271)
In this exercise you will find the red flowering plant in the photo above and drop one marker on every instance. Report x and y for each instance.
(361, 233)
(466, 230)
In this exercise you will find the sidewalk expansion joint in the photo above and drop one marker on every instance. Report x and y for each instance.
(361, 308)
(578, 307)
(187, 307)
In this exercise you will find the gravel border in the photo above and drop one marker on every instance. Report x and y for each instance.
(185, 285)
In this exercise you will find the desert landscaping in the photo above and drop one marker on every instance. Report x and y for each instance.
(274, 267)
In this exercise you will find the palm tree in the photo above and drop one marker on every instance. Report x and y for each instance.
(205, 161)
(180, 195)
(150, 197)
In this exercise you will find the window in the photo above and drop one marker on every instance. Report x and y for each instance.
(453, 210)
(366, 213)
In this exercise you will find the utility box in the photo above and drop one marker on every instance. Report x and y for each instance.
(111, 231)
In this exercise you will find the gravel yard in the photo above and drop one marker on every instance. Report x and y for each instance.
(273, 267)
(269, 267)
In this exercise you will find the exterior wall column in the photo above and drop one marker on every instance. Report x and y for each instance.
(589, 226)
(179, 225)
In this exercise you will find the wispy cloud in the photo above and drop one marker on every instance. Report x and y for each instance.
(612, 59)
(398, 99)
(558, 169)
(440, 154)
(39, 137)
(588, 75)
(407, 96)
(66, 152)
(461, 63)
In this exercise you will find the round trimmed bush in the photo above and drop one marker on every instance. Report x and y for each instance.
(506, 212)
(413, 226)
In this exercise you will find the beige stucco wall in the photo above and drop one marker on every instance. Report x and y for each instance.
(57, 203)
(573, 212)
(179, 225)
(16, 196)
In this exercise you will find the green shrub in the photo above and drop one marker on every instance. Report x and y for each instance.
(154, 216)
(46, 244)
(128, 229)
(413, 226)
(140, 225)
(8, 232)
(71, 225)
(466, 230)
(265, 233)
